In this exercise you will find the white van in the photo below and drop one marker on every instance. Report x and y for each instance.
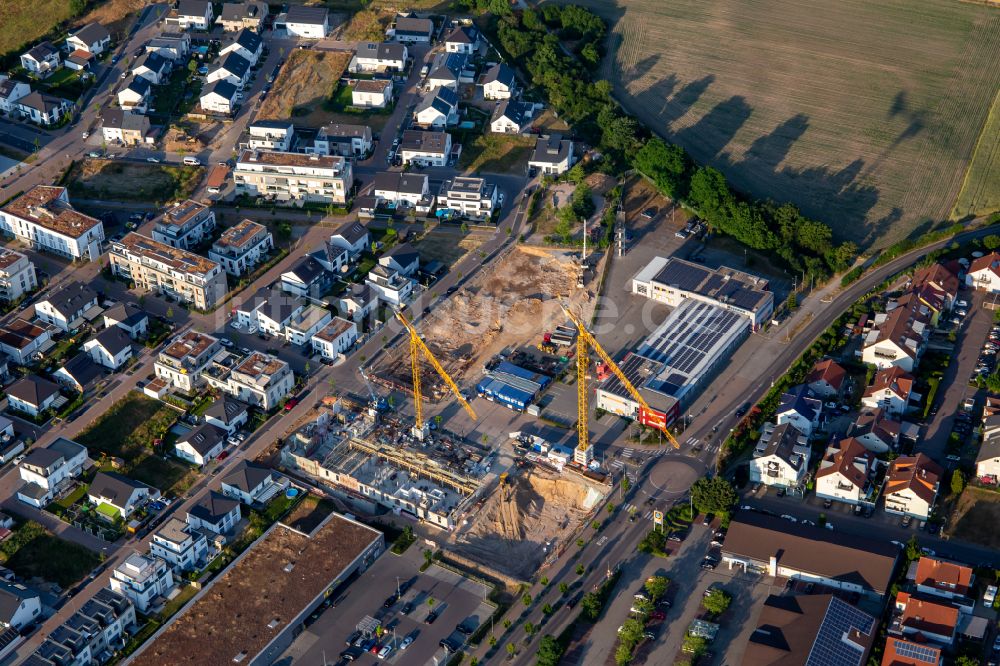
(192, 161)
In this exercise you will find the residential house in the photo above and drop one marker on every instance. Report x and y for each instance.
(901, 652)
(403, 259)
(128, 318)
(185, 358)
(32, 395)
(826, 380)
(378, 57)
(93, 38)
(241, 247)
(259, 380)
(351, 236)
(117, 495)
(412, 29)
(462, 39)
(984, 273)
(201, 445)
(371, 93)
(943, 578)
(268, 311)
(390, 285)
(277, 135)
(292, 177)
(17, 275)
(449, 70)
(306, 277)
(425, 148)
(897, 338)
(192, 15)
(182, 546)
(79, 373)
(891, 389)
(511, 117)
(91, 634)
(143, 579)
(846, 473)
(111, 347)
(250, 483)
(307, 22)
(926, 617)
(335, 339)
(237, 16)
(306, 324)
(769, 545)
(227, 414)
(78, 60)
(400, 189)
(126, 127)
(499, 82)
(248, 45)
(234, 68)
(43, 109)
(781, 457)
(988, 460)
(800, 408)
(911, 486)
(332, 258)
(437, 109)
(936, 285)
(216, 513)
(42, 59)
(48, 470)
(135, 95)
(553, 155)
(469, 197)
(219, 96)
(876, 431)
(153, 67)
(810, 629)
(11, 91)
(24, 342)
(358, 302)
(344, 140)
(68, 307)
(19, 606)
(160, 268)
(174, 46)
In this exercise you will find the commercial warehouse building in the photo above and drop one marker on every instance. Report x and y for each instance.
(512, 385)
(675, 361)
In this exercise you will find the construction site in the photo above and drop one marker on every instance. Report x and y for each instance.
(508, 306)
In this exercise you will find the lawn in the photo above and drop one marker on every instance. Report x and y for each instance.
(497, 153)
(164, 473)
(24, 22)
(69, 500)
(33, 551)
(128, 427)
(981, 188)
(109, 511)
(304, 84)
(130, 181)
(864, 114)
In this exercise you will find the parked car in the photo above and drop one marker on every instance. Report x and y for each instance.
(407, 642)
(290, 405)
(385, 651)
(649, 213)
(431, 617)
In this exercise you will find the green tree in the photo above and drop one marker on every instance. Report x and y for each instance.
(656, 587)
(623, 654)
(547, 609)
(694, 645)
(549, 651)
(77, 7)
(966, 660)
(716, 601)
(957, 482)
(713, 495)
(511, 650)
(631, 631)
(526, 599)
(644, 607)
(170, 312)
(464, 228)
(543, 581)
(563, 589)
(912, 549)
(793, 300)
(580, 569)
(530, 628)
(590, 606)
(991, 242)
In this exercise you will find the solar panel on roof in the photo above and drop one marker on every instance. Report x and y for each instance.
(830, 648)
(918, 652)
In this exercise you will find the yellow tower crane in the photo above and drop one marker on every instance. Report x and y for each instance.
(585, 340)
(418, 348)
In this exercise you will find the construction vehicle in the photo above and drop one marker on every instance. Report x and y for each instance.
(377, 403)
(418, 348)
(548, 348)
(583, 455)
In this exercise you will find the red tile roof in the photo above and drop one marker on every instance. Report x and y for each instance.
(827, 370)
(942, 575)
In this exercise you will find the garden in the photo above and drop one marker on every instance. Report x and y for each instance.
(32, 551)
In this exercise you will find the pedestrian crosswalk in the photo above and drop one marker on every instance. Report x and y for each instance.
(628, 453)
(692, 441)
(649, 514)
(617, 464)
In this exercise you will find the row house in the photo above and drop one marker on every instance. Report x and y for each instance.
(248, 45)
(378, 57)
(236, 16)
(826, 379)
(91, 635)
(68, 307)
(126, 127)
(876, 430)
(174, 46)
(24, 342)
(801, 408)
(344, 140)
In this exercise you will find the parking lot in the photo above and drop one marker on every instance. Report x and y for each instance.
(431, 609)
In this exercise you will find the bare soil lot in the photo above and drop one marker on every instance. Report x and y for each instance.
(305, 82)
(447, 246)
(976, 515)
(131, 181)
(865, 114)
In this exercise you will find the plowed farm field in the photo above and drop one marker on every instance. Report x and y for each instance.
(865, 114)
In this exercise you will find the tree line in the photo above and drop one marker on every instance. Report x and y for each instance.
(558, 46)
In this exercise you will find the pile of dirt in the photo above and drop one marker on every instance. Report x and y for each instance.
(179, 139)
(516, 298)
(522, 520)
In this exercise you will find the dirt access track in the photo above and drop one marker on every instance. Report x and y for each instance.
(512, 304)
(520, 522)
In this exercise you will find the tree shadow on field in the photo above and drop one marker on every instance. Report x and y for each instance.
(715, 129)
(770, 150)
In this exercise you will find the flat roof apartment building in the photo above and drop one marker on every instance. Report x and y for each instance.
(182, 362)
(184, 224)
(17, 275)
(43, 218)
(158, 267)
(257, 379)
(293, 176)
(240, 248)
